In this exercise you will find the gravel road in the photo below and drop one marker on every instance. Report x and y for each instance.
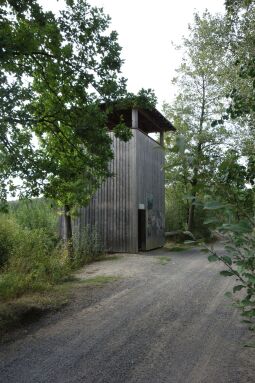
(162, 322)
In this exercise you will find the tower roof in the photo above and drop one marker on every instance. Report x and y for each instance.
(148, 120)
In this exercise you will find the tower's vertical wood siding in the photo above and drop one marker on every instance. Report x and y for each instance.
(138, 168)
(112, 209)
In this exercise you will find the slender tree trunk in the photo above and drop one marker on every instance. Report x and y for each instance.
(191, 218)
(68, 230)
(194, 182)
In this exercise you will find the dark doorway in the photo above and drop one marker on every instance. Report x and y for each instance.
(141, 229)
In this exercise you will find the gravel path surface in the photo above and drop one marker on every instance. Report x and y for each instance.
(162, 322)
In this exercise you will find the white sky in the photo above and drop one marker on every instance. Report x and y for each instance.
(146, 29)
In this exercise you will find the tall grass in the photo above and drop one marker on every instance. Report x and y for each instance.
(87, 246)
(32, 257)
(9, 231)
(28, 260)
(36, 214)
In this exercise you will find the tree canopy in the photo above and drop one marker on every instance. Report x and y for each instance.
(211, 164)
(55, 74)
(203, 80)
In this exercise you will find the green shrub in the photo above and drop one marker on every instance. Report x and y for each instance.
(201, 230)
(30, 261)
(32, 256)
(239, 261)
(37, 214)
(87, 246)
(176, 212)
(12, 285)
(9, 232)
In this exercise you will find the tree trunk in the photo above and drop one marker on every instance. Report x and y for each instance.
(191, 219)
(195, 179)
(68, 230)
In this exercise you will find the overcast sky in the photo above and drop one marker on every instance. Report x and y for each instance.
(146, 29)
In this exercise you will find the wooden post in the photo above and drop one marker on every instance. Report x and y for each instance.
(161, 141)
(135, 118)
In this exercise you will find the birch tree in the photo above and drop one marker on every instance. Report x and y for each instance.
(203, 81)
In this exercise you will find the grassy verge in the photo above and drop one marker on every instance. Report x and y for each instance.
(107, 258)
(163, 260)
(31, 306)
(99, 280)
(178, 247)
(35, 270)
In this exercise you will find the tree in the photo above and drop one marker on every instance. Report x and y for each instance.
(61, 78)
(234, 183)
(241, 16)
(234, 6)
(203, 81)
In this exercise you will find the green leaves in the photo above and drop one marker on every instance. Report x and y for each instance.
(227, 273)
(214, 205)
(180, 143)
(211, 220)
(241, 13)
(227, 260)
(60, 70)
(217, 164)
(241, 265)
(122, 131)
(250, 277)
(241, 227)
(238, 288)
(203, 80)
(213, 258)
(249, 313)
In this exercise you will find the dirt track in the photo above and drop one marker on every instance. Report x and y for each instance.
(162, 322)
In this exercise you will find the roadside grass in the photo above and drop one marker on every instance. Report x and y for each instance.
(163, 260)
(30, 307)
(178, 247)
(99, 280)
(36, 274)
(107, 258)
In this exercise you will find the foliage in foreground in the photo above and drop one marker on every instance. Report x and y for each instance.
(239, 259)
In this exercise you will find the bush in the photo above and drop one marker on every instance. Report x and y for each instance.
(238, 257)
(33, 257)
(9, 232)
(30, 257)
(29, 261)
(36, 214)
(201, 230)
(176, 210)
(12, 285)
(87, 246)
